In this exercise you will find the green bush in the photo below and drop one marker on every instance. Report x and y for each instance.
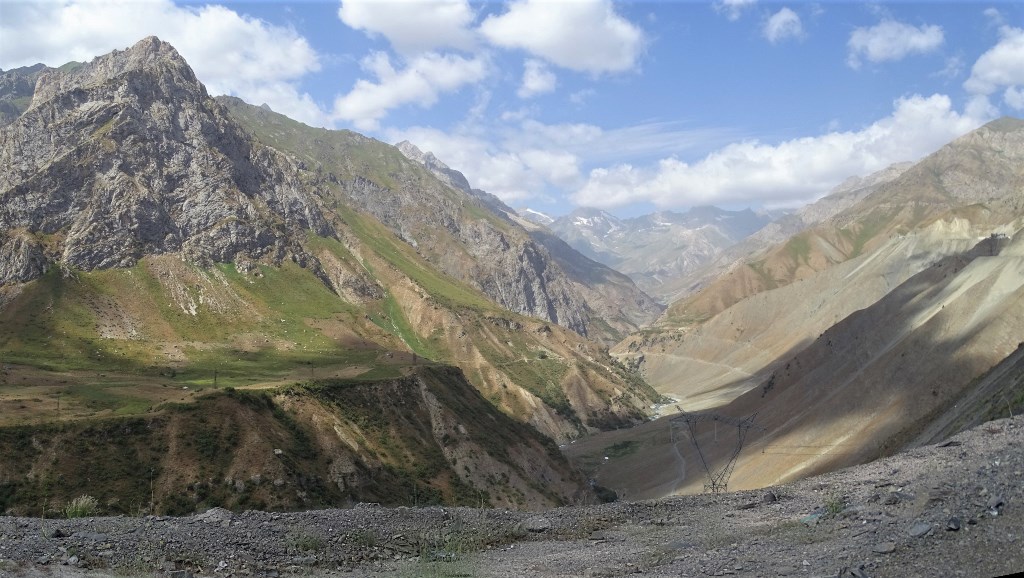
(81, 507)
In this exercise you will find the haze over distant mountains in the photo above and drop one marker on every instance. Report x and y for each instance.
(154, 236)
(656, 249)
(850, 338)
(310, 317)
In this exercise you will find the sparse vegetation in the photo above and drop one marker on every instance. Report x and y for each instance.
(834, 505)
(81, 507)
(304, 541)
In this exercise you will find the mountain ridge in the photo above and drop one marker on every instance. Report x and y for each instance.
(151, 240)
(612, 295)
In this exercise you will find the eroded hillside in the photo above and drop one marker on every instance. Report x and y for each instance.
(153, 249)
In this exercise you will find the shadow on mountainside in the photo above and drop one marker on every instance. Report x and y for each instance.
(863, 388)
(860, 391)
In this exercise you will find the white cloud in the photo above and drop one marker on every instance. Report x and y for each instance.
(994, 16)
(580, 97)
(230, 53)
(1014, 97)
(537, 79)
(790, 172)
(413, 26)
(733, 9)
(1002, 66)
(422, 80)
(954, 68)
(513, 174)
(892, 40)
(522, 159)
(782, 25)
(581, 35)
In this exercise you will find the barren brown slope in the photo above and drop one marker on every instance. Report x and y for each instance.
(870, 383)
(762, 242)
(712, 363)
(978, 176)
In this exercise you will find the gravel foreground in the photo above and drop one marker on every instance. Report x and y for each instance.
(952, 509)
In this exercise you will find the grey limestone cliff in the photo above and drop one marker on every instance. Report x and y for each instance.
(128, 156)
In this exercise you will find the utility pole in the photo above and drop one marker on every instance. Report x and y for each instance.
(718, 478)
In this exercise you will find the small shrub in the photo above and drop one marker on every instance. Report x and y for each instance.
(305, 542)
(835, 505)
(81, 507)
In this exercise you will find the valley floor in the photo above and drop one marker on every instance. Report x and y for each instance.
(952, 509)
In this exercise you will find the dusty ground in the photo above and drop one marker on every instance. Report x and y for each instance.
(953, 509)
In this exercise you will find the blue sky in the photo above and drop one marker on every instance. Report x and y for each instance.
(627, 106)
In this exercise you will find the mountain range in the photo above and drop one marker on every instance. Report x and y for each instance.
(657, 249)
(851, 338)
(216, 305)
(153, 238)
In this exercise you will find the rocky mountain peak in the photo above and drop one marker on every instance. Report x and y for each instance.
(127, 156)
(446, 174)
(149, 54)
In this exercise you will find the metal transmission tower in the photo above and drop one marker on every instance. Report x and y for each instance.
(718, 480)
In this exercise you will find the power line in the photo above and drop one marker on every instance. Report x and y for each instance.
(718, 479)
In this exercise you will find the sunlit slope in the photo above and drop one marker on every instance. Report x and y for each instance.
(977, 177)
(147, 235)
(714, 362)
(456, 232)
(875, 381)
(871, 382)
(365, 309)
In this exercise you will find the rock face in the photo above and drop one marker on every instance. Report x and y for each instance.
(254, 232)
(127, 156)
(16, 88)
(446, 174)
(612, 296)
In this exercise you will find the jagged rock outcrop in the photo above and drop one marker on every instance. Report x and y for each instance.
(21, 257)
(16, 88)
(243, 229)
(612, 296)
(446, 174)
(128, 156)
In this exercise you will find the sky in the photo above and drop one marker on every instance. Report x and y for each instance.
(555, 104)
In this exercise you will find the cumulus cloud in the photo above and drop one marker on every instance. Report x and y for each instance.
(524, 159)
(582, 35)
(892, 40)
(790, 172)
(1001, 67)
(513, 174)
(412, 26)
(733, 9)
(230, 53)
(782, 25)
(537, 79)
(422, 80)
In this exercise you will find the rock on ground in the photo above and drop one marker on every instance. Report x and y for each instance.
(948, 509)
